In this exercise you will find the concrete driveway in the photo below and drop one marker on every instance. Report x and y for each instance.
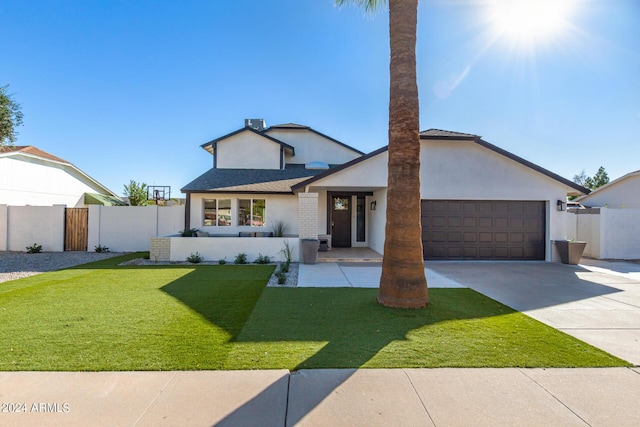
(597, 302)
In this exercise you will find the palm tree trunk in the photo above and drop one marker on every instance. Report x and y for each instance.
(403, 283)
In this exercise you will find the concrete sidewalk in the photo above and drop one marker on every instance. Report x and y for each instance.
(402, 397)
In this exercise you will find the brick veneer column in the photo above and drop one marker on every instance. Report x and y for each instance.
(308, 215)
(160, 249)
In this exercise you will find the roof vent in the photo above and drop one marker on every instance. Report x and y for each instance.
(316, 165)
(256, 124)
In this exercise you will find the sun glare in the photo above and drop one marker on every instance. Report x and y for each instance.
(530, 21)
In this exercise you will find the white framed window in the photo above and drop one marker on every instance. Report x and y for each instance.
(217, 212)
(252, 212)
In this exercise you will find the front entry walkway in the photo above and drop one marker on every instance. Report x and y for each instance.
(356, 275)
(349, 255)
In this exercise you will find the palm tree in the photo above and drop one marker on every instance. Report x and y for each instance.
(403, 283)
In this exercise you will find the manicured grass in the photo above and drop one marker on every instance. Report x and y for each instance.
(103, 317)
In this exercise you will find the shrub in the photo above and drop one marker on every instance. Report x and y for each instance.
(241, 258)
(282, 277)
(101, 249)
(195, 258)
(286, 252)
(262, 259)
(190, 232)
(34, 249)
(147, 255)
(279, 228)
(222, 261)
(284, 267)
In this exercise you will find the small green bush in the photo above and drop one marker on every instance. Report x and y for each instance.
(287, 252)
(284, 267)
(101, 249)
(282, 277)
(34, 249)
(195, 258)
(147, 255)
(241, 258)
(262, 259)
(188, 232)
(279, 228)
(222, 261)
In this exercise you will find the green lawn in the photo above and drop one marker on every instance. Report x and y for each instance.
(103, 317)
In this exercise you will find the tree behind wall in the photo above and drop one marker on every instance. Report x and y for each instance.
(10, 117)
(137, 193)
(598, 180)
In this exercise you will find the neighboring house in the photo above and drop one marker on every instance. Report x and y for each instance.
(479, 201)
(624, 192)
(29, 176)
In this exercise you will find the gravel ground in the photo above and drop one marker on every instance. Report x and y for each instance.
(15, 265)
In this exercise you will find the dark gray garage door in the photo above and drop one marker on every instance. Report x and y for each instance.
(488, 229)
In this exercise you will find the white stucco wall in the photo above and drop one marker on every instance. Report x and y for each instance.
(461, 170)
(588, 230)
(247, 150)
(130, 228)
(622, 194)
(377, 221)
(279, 207)
(217, 248)
(311, 147)
(28, 225)
(28, 181)
(619, 233)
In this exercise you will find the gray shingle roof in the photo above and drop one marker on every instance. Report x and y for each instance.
(250, 180)
(437, 133)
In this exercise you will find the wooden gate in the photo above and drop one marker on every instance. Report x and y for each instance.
(76, 229)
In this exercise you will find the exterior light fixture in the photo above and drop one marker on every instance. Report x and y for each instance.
(560, 205)
(373, 205)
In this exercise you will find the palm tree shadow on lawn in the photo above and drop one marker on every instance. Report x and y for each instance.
(301, 328)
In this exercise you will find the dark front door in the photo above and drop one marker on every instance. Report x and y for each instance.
(341, 221)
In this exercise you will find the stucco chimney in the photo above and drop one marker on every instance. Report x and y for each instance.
(257, 124)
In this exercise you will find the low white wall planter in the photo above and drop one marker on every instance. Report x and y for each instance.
(217, 248)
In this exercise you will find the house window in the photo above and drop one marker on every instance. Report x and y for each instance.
(252, 212)
(217, 212)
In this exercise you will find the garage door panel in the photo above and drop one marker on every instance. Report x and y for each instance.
(454, 229)
(454, 221)
(516, 237)
(485, 237)
(471, 222)
(485, 222)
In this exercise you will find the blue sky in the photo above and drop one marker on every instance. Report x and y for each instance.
(130, 89)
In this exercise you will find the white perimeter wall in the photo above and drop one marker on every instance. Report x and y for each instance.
(620, 233)
(22, 226)
(280, 207)
(613, 234)
(130, 228)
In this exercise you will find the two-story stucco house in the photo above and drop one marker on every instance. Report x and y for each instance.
(478, 201)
